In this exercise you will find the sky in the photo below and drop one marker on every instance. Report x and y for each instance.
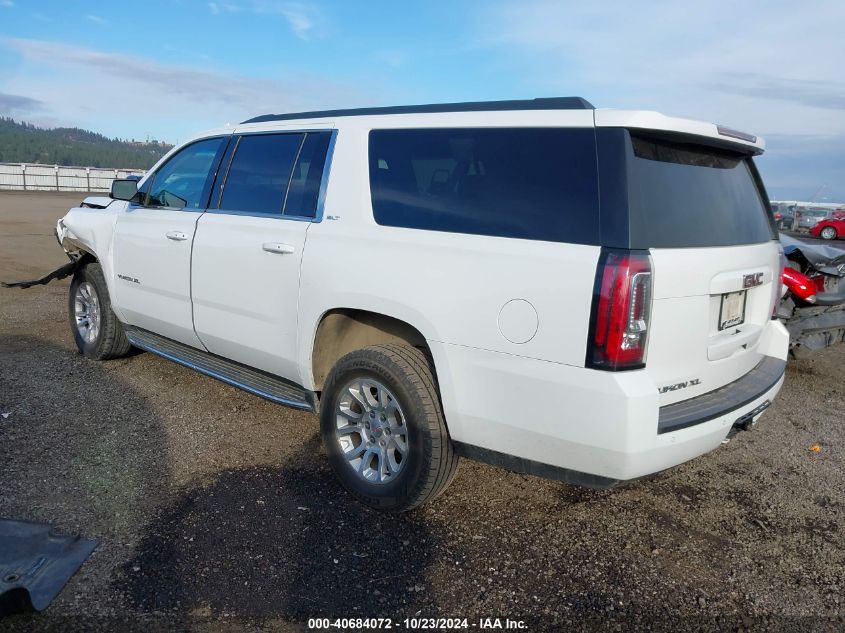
(169, 69)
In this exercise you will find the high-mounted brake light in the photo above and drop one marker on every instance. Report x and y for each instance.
(743, 136)
(799, 284)
(621, 311)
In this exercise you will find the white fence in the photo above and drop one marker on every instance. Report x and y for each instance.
(31, 177)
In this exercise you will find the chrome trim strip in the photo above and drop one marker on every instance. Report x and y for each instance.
(293, 404)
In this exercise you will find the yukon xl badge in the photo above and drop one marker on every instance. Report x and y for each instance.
(128, 278)
(680, 385)
(754, 279)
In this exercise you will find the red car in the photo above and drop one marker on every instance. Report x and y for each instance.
(830, 229)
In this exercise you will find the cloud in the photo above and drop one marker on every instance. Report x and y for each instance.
(743, 64)
(90, 87)
(797, 167)
(223, 7)
(299, 17)
(807, 92)
(392, 58)
(18, 105)
(302, 18)
(771, 68)
(96, 19)
(6, 4)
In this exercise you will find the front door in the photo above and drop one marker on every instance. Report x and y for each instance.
(248, 250)
(153, 238)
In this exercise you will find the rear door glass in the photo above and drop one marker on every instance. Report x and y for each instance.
(259, 174)
(683, 195)
(530, 183)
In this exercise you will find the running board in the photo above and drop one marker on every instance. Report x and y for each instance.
(254, 381)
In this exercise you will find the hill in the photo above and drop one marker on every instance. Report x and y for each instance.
(25, 143)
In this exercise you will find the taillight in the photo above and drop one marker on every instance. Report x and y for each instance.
(799, 285)
(621, 311)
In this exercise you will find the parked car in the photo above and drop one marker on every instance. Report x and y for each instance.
(813, 308)
(808, 218)
(829, 229)
(535, 284)
(784, 215)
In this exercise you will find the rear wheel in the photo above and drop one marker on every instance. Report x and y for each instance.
(828, 233)
(383, 427)
(97, 332)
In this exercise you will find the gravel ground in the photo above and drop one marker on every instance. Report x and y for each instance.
(216, 511)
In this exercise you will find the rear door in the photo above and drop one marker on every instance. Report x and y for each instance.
(701, 212)
(152, 242)
(248, 249)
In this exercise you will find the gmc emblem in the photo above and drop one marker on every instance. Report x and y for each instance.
(754, 279)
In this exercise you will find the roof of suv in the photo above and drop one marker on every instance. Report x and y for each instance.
(632, 119)
(548, 103)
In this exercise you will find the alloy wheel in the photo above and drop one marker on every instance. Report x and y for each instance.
(371, 430)
(86, 306)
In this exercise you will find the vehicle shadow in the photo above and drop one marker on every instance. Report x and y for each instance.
(280, 542)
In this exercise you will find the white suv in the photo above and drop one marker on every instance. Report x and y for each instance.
(581, 294)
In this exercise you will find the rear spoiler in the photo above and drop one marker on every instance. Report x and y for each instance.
(695, 131)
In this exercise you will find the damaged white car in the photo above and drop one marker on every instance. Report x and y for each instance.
(587, 295)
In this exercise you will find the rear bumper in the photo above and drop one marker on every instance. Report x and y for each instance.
(587, 426)
(723, 401)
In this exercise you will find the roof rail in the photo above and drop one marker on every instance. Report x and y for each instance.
(545, 103)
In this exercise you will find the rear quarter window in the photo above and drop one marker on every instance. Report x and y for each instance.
(529, 183)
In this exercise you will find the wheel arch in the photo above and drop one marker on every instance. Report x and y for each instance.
(339, 331)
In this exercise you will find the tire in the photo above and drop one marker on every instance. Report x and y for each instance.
(828, 233)
(404, 376)
(106, 340)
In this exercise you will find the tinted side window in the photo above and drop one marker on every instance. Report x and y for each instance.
(683, 195)
(531, 183)
(183, 182)
(259, 174)
(307, 174)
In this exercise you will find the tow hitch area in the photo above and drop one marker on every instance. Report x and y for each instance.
(60, 273)
(746, 422)
(35, 564)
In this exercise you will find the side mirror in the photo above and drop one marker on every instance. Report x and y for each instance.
(124, 189)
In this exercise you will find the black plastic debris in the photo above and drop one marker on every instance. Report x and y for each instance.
(60, 273)
(35, 564)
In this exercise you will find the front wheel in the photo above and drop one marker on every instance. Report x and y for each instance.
(828, 233)
(383, 427)
(97, 332)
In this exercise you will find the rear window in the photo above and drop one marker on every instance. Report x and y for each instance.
(530, 183)
(684, 195)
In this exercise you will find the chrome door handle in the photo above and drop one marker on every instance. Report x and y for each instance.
(277, 247)
(176, 236)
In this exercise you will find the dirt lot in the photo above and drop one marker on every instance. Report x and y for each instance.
(215, 510)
